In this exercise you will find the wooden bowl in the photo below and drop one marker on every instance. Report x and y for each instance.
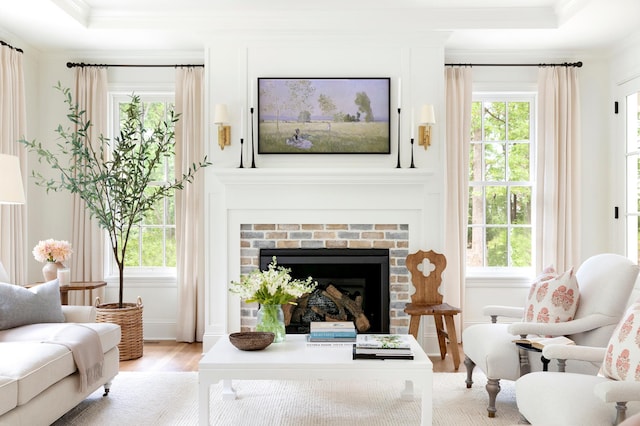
(251, 340)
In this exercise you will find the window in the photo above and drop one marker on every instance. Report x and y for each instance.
(632, 153)
(152, 243)
(501, 182)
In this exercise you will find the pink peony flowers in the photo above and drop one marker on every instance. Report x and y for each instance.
(52, 251)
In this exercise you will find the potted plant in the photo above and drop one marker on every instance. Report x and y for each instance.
(113, 179)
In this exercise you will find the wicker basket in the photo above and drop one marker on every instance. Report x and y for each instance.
(129, 318)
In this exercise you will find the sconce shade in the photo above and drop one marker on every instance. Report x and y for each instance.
(11, 189)
(221, 115)
(427, 115)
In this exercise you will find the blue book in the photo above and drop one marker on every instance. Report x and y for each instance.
(331, 334)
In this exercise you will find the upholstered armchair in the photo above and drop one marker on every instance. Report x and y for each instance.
(605, 284)
(551, 398)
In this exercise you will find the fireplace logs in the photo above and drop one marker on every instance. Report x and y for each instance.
(328, 304)
(353, 306)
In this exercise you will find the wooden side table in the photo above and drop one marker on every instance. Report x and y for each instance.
(77, 285)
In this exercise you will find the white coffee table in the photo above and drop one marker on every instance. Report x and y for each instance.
(295, 360)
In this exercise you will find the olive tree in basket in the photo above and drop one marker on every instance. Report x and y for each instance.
(113, 179)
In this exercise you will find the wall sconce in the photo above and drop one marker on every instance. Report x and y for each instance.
(221, 116)
(427, 118)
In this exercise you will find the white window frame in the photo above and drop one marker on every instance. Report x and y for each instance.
(625, 228)
(115, 97)
(523, 273)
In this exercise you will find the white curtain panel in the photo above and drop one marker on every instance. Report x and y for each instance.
(189, 204)
(87, 238)
(458, 85)
(558, 169)
(13, 127)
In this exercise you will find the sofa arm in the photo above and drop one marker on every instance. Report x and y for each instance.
(74, 313)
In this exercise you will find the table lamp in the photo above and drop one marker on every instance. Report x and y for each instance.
(11, 190)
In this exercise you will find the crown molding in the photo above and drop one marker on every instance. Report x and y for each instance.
(76, 9)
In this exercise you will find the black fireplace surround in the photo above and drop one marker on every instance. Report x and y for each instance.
(362, 272)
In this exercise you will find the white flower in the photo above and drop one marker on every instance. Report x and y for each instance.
(272, 287)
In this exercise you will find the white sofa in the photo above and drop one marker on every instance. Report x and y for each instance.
(39, 382)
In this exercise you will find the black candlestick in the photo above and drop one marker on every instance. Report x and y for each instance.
(253, 151)
(413, 166)
(398, 164)
(241, 149)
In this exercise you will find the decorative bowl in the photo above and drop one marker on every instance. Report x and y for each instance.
(251, 340)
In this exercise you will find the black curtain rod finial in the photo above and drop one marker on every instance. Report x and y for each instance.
(565, 64)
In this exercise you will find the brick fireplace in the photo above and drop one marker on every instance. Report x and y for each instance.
(394, 237)
(247, 209)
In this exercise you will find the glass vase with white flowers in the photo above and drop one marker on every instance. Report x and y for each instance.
(272, 289)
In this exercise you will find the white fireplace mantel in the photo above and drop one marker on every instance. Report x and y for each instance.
(307, 196)
(270, 176)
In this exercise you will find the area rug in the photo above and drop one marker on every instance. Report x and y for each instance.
(168, 398)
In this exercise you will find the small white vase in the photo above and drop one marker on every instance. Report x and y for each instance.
(50, 270)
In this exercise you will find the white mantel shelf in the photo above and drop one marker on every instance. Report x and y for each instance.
(267, 176)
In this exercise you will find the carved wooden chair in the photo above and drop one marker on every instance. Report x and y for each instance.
(428, 301)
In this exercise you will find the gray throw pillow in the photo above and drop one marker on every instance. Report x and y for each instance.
(21, 306)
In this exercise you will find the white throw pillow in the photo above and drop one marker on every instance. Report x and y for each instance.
(552, 298)
(622, 360)
(21, 306)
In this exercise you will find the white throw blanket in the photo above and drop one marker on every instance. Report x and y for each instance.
(84, 344)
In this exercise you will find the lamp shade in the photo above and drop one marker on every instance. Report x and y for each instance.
(221, 115)
(11, 190)
(427, 115)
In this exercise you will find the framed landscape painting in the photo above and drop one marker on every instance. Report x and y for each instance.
(323, 116)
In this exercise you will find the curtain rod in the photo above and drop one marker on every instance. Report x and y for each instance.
(565, 64)
(82, 64)
(11, 47)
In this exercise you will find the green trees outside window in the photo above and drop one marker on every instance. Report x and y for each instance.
(500, 232)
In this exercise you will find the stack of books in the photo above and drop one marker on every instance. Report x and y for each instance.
(382, 346)
(328, 331)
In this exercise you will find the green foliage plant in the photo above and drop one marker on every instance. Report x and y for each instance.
(113, 179)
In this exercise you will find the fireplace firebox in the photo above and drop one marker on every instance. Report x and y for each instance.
(359, 274)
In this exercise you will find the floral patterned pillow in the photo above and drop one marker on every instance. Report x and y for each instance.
(622, 360)
(552, 298)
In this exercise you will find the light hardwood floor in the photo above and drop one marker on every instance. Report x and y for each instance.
(175, 356)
